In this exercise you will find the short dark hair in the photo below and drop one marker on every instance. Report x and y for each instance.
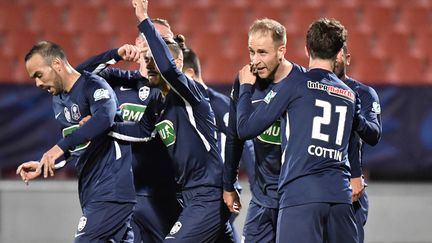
(191, 60)
(48, 50)
(325, 38)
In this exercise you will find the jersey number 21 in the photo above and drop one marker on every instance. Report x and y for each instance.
(326, 119)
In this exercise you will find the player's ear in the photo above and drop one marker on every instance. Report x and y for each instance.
(306, 52)
(57, 64)
(348, 59)
(189, 72)
(340, 55)
(281, 52)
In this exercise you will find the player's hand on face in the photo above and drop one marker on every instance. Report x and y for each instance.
(129, 53)
(246, 75)
(48, 159)
(141, 7)
(27, 171)
(84, 120)
(232, 200)
(358, 187)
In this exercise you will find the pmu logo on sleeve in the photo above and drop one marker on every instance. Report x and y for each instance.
(272, 135)
(69, 130)
(132, 112)
(166, 132)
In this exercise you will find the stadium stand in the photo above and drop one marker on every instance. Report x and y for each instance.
(389, 29)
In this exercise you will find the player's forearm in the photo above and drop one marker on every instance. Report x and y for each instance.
(369, 131)
(100, 122)
(233, 152)
(131, 132)
(249, 124)
(99, 62)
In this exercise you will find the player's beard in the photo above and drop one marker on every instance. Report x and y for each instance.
(57, 86)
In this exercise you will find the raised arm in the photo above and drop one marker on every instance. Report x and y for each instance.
(164, 60)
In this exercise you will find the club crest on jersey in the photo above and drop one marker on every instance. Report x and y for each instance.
(67, 114)
(270, 95)
(82, 223)
(177, 226)
(101, 94)
(166, 132)
(376, 107)
(332, 90)
(76, 115)
(144, 93)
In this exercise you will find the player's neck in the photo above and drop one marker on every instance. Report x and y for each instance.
(325, 64)
(282, 71)
(71, 77)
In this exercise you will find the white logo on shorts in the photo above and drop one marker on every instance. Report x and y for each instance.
(175, 228)
(82, 223)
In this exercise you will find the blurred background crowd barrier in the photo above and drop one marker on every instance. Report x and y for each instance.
(389, 41)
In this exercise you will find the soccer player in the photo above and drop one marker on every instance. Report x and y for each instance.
(157, 207)
(106, 190)
(186, 126)
(371, 111)
(261, 219)
(318, 112)
(220, 105)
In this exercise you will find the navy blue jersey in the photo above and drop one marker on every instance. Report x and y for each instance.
(267, 147)
(152, 166)
(103, 164)
(185, 122)
(220, 105)
(317, 111)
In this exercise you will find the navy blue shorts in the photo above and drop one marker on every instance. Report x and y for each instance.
(105, 222)
(204, 218)
(317, 222)
(153, 217)
(361, 208)
(260, 224)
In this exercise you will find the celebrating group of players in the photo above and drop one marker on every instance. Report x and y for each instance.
(148, 145)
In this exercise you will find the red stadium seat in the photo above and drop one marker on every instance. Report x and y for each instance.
(269, 11)
(415, 18)
(407, 70)
(68, 41)
(423, 47)
(119, 18)
(18, 42)
(378, 18)
(192, 19)
(392, 44)
(47, 18)
(237, 46)
(348, 15)
(91, 43)
(302, 16)
(229, 18)
(209, 44)
(7, 68)
(372, 70)
(83, 18)
(296, 42)
(360, 44)
(219, 70)
(13, 16)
